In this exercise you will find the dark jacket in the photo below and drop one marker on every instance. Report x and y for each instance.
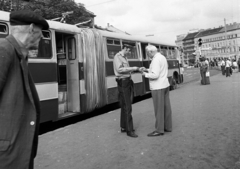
(19, 108)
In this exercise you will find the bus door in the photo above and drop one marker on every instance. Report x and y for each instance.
(146, 63)
(73, 94)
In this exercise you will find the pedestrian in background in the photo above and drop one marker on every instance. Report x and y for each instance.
(19, 102)
(159, 86)
(122, 72)
(207, 74)
(234, 66)
(228, 66)
(203, 70)
(238, 62)
(181, 72)
(223, 66)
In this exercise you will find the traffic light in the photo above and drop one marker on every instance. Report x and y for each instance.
(200, 42)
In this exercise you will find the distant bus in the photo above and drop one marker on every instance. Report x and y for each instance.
(73, 67)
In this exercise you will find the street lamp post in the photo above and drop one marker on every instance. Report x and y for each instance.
(226, 34)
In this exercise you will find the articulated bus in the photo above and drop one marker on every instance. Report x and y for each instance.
(73, 67)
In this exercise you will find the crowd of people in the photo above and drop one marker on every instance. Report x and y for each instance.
(228, 66)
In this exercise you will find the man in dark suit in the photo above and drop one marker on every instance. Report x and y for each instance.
(19, 102)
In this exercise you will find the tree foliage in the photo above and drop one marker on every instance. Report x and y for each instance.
(5, 5)
(51, 9)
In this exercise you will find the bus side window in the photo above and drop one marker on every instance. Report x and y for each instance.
(163, 51)
(133, 50)
(143, 47)
(44, 48)
(113, 47)
(170, 52)
(175, 53)
(3, 30)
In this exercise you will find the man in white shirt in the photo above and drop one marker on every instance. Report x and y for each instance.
(228, 67)
(223, 66)
(159, 86)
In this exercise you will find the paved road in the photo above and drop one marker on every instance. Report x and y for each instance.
(206, 123)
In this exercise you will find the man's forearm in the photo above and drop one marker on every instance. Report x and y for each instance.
(126, 69)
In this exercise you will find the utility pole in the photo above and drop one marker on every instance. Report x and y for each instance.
(226, 34)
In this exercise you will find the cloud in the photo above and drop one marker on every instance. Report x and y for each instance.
(114, 8)
(163, 18)
(172, 15)
(226, 9)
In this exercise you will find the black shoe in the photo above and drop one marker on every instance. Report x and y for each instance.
(132, 134)
(167, 130)
(124, 130)
(155, 133)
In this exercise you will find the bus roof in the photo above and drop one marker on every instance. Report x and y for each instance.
(4, 16)
(135, 38)
(63, 27)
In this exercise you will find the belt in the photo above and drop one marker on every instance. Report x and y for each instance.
(126, 78)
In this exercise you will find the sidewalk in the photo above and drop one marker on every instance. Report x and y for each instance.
(206, 123)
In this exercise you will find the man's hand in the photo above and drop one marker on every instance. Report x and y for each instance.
(143, 73)
(135, 68)
(143, 69)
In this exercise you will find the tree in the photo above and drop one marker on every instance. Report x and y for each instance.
(51, 9)
(5, 5)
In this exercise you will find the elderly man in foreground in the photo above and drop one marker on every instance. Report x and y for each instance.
(19, 102)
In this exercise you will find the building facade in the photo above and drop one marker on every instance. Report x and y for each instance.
(179, 43)
(225, 43)
(206, 48)
(189, 47)
(221, 42)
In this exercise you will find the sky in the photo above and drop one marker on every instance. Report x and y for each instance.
(164, 19)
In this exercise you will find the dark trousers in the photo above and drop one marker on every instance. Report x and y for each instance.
(125, 89)
(203, 76)
(162, 109)
(238, 68)
(223, 70)
(227, 71)
(31, 165)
